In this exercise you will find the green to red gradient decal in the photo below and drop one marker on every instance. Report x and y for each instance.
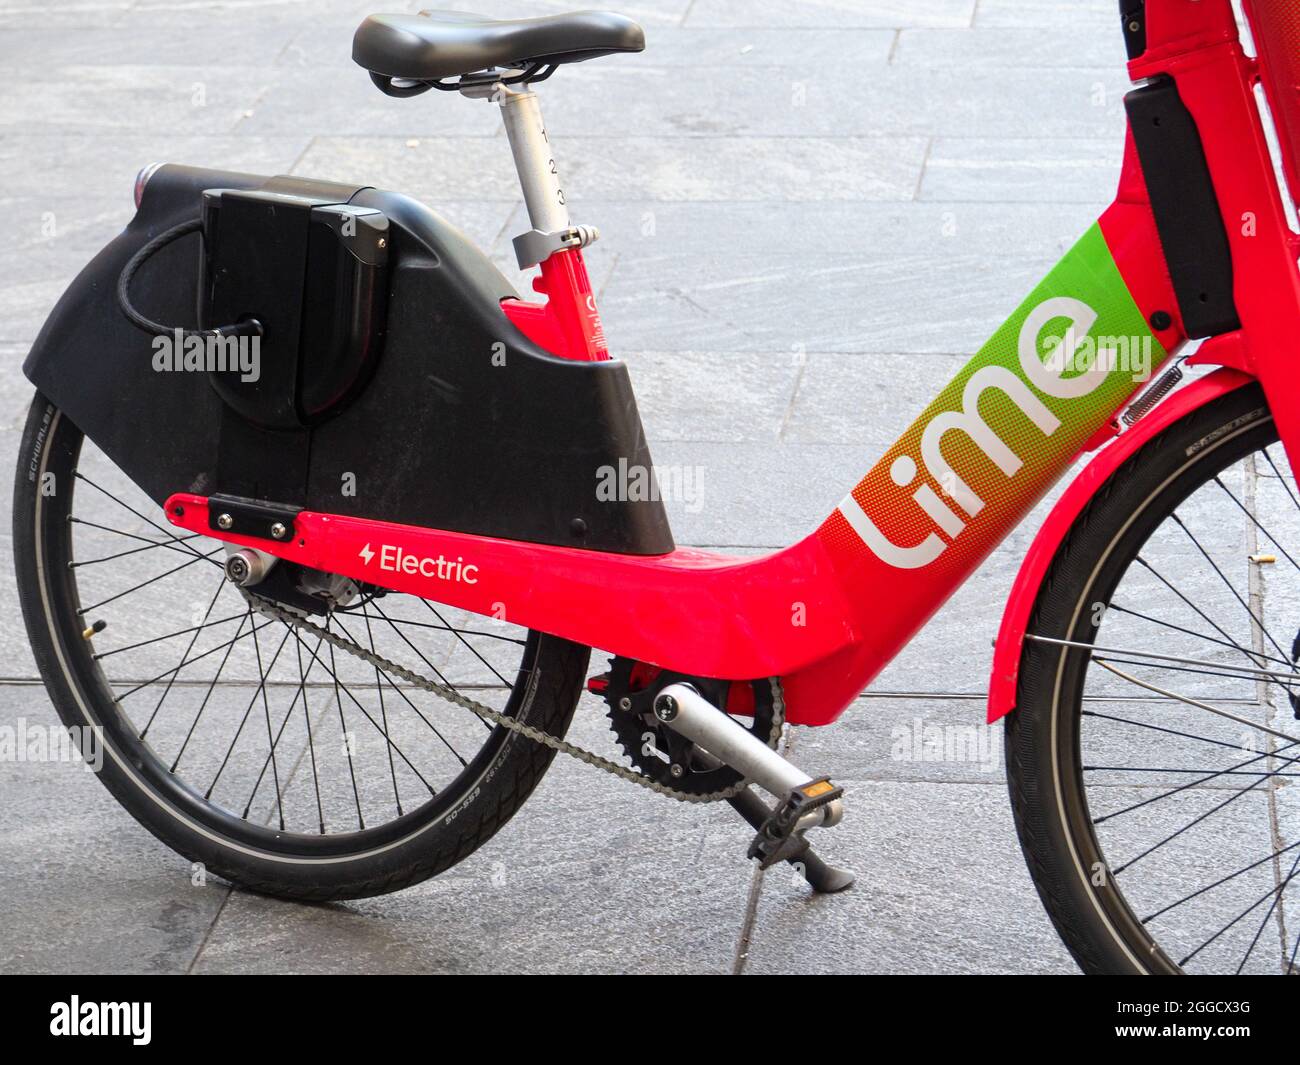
(1006, 427)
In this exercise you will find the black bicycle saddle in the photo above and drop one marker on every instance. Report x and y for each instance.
(444, 44)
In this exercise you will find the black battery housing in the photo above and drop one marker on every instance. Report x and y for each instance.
(314, 276)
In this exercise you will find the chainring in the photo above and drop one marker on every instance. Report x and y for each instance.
(664, 755)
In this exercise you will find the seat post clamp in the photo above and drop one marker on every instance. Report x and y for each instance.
(536, 247)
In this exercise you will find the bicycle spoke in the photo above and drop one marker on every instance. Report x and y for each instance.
(311, 745)
(170, 545)
(447, 628)
(270, 739)
(1196, 783)
(1252, 655)
(366, 714)
(1261, 676)
(1199, 635)
(462, 639)
(1160, 728)
(1191, 824)
(190, 647)
(347, 736)
(208, 694)
(1219, 883)
(403, 696)
(1213, 668)
(82, 611)
(1281, 480)
(1180, 769)
(441, 679)
(152, 545)
(148, 521)
(1272, 539)
(170, 636)
(1227, 583)
(1277, 896)
(191, 661)
(261, 688)
(1240, 917)
(1291, 740)
(270, 758)
(383, 712)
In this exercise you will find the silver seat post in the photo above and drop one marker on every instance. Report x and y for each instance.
(539, 178)
(521, 111)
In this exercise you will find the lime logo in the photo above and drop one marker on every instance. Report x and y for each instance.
(1046, 376)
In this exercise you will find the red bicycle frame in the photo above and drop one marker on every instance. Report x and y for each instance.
(827, 614)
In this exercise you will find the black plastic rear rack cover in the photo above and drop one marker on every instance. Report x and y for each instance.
(466, 425)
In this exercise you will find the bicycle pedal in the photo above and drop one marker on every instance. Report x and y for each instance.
(781, 836)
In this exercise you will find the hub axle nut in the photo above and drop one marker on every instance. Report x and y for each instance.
(248, 567)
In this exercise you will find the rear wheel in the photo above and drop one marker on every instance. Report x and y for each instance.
(277, 762)
(1154, 756)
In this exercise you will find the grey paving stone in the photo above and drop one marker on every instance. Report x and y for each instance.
(942, 308)
(1014, 171)
(754, 495)
(942, 888)
(907, 740)
(15, 391)
(92, 890)
(660, 169)
(74, 13)
(839, 13)
(202, 38)
(117, 99)
(40, 165)
(672, 285)
(865, 399)
(1087, 16)
(1056, 47)
(716, 396)
(798, 101)
(698, 47)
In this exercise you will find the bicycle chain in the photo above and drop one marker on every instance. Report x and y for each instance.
(450, 694)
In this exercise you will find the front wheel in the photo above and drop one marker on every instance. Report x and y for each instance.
(1154, 755)
(261, 753)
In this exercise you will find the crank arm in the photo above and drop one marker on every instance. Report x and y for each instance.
(687, 712)
(804, 803)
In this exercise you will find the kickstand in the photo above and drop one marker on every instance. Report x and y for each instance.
(822, 878)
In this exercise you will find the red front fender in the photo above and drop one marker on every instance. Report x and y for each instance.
(1024, 593)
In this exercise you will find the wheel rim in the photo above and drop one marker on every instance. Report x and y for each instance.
(237, 725)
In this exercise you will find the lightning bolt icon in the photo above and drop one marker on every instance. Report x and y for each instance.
(366, 554)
